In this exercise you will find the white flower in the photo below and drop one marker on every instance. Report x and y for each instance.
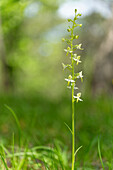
(75, 55)
(69, 80)
(79, 46)
(68, 50)
(64, 66)
(80, 75)
(76, 58)
(78, 97)
(75, 88)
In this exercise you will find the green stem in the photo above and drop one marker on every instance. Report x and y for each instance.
(73, 126)
(73, 131)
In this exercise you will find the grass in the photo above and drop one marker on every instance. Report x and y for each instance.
(42, 122)
(35, 158)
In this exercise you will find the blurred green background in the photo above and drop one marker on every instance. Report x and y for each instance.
(32, 81)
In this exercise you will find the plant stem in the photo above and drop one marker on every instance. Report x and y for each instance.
(73, 126)
(73, 130)
(73, 78)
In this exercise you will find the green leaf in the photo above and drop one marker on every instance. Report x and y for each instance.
(17, 121)
(2, 158)
(100, 156)
(68, 128)
(77, 150)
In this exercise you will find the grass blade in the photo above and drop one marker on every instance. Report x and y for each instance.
(17, 121)
(3, 161)
(13, 158)
(68, 127)
(100, 155)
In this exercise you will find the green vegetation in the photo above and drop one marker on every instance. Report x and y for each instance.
(34, 103)
(42, 119)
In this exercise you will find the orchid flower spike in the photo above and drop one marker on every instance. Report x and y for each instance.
(72, 79)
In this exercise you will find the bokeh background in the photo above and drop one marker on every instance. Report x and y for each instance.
(32, 80)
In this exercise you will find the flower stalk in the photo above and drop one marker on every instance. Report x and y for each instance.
(72, 78)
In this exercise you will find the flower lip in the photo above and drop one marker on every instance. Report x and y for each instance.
(75, 88)
(69, 80)
(68, 51)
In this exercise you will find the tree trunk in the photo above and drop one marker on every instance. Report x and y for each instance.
(103, 62)
(6, 70)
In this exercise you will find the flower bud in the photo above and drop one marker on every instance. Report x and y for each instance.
(70, 77)
(75, 10)
(80, 25)
(69, 20)
(68, 48)
(63, 39)
(75, 55)
(77, 36)
(68, 29)
(79, 14)
(78, 57)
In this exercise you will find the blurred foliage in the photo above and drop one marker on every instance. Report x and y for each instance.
(42, 121)
(29, 55)
(31, 33)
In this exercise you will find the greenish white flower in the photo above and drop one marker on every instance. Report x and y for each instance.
(64, 66)
(80, 75)
(79, 46)
(77, 97)
(76, 58)
(75, 88)
(69, 80)
(68, 50)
